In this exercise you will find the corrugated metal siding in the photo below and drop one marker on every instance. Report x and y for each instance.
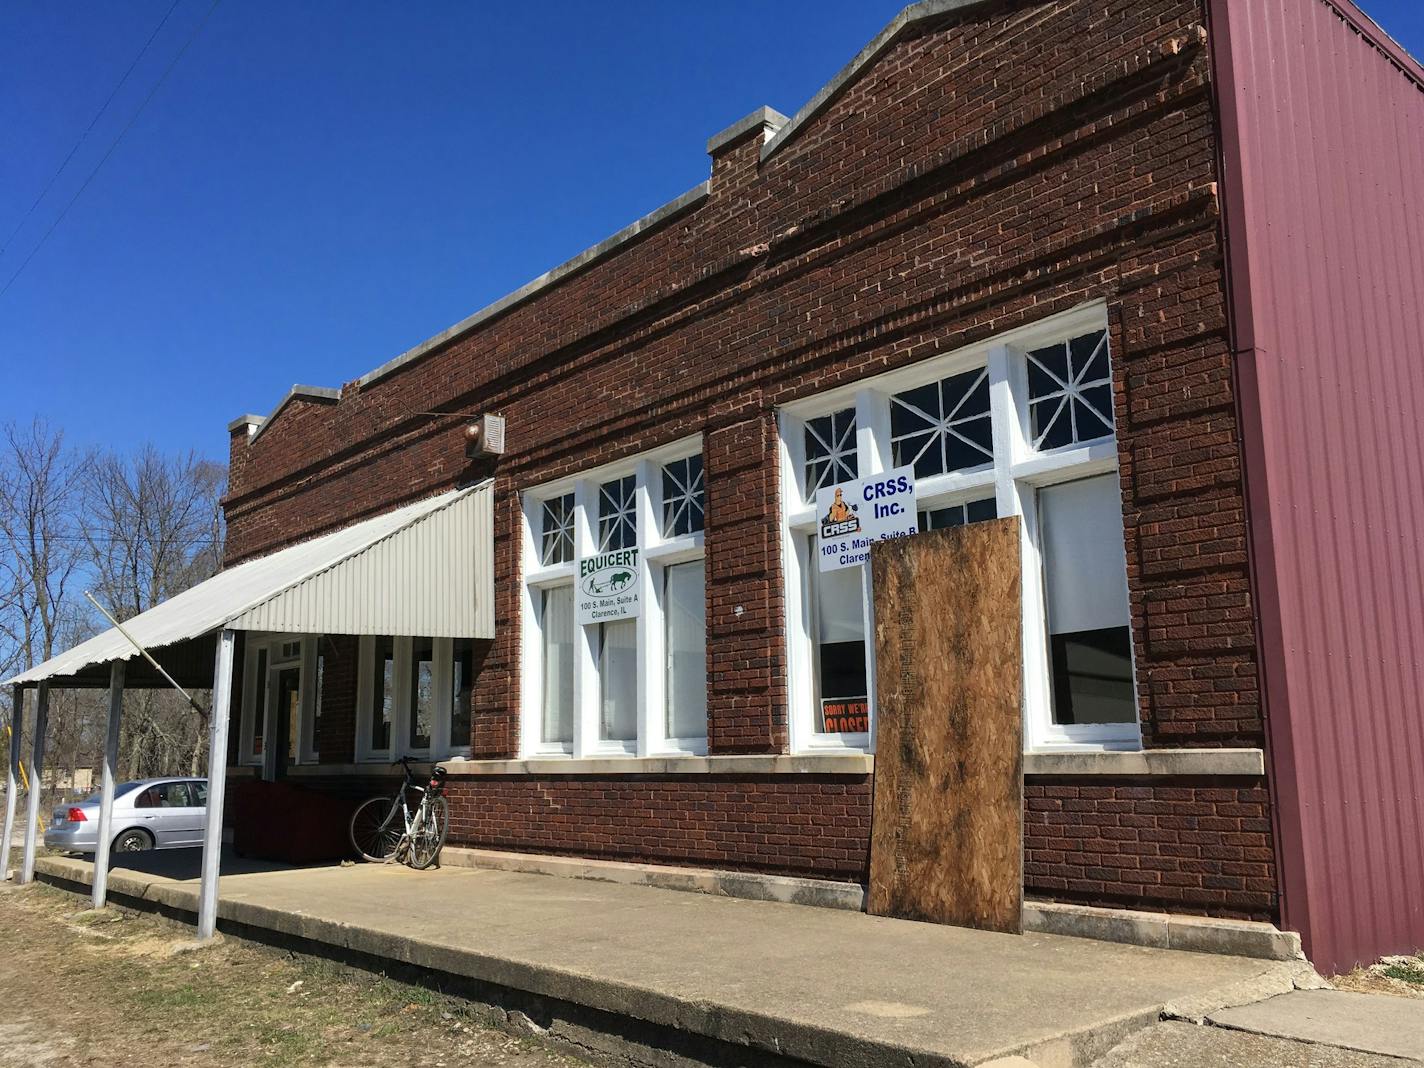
(433, 578)
(1323, 125)
(425, 569)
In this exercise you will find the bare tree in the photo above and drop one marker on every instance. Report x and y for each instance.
(153, 525)
(41, 548)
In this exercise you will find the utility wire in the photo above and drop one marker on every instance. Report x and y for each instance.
(89, 129)
(115, 144)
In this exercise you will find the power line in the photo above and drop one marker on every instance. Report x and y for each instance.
(88, 129)
(115, 144)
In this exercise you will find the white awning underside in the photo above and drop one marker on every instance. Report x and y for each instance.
(426, 569)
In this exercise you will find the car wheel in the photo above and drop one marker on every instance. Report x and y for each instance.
(133, 842)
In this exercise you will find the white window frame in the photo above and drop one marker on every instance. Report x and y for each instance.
(656, 553)
(1013, 478)
(443, 651)
(306, 707)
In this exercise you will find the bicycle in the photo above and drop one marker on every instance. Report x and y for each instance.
(385, 831)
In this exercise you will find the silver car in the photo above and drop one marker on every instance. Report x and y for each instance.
(148, 814)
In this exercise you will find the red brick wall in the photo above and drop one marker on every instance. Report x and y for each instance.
(1185, 845)
(790, 825)
(992, 167)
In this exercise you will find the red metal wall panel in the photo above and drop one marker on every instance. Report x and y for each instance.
(1323, 170)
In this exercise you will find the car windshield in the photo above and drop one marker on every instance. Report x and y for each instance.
(119, 791)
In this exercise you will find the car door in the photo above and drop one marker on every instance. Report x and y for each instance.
(165, 811)
(195, 814)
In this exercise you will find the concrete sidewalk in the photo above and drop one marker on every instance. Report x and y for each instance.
(654, 970)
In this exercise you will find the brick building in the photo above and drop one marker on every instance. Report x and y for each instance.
(1015, 245)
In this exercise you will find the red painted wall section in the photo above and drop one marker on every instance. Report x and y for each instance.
(1323, 189)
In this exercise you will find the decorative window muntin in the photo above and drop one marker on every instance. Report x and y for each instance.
(943, 426)
(618, 514)
(903, 417)
(684, 497)
(1070, 391)
(558, 530)
(830, 451)
(620, 688)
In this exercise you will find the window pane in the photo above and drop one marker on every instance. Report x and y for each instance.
(1086, 582)
(557, 617)
(422, 692)
(558, 530)
(1070, 391)
(316, 704)
(943, 426)
(684, 498)
(617, 514)
(842, 702)
(830, 451)
(259, 703)
(683, 599)
(462, 685)
(618, 681)
(383, 693)
(957, 515)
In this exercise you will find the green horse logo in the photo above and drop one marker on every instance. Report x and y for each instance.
(601, 585)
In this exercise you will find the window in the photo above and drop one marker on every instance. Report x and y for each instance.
(1090, 643)
(683, 497)
(557, 619)
(631, 685)
(842, 698)
(830, 446)
(422, 694)
(617, 515)
(258, 689)
(558, 530)
(958, 515)
(1020, 425)
(415, 697)
(685, 617)
(943, 426)
(618, 681)
(165, 795)
(383, 689)
(462, 690)
(1070, 391)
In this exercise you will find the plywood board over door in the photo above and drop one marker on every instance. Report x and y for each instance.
(947, 836)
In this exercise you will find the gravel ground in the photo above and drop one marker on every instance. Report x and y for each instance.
(109, 989)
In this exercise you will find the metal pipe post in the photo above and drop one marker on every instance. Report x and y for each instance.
(12, 777)
(37, 755)
(217, 786)
(106, 795)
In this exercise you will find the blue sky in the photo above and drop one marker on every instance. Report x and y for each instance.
(317, 186)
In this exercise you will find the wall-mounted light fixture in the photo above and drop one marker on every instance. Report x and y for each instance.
(485, 437)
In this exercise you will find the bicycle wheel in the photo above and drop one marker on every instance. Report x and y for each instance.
(428, 835)
(377, 828)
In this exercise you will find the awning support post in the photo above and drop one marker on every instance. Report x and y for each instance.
(217, 786)
(106, 795)
(12, 777)
(37, 755)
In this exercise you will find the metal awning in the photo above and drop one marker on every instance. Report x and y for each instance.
(426, 569)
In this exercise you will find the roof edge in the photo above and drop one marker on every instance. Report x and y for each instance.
(908, 17)
(1364, 24)
(762, 117)
(692, 197)
(313, 393)
(247, 420)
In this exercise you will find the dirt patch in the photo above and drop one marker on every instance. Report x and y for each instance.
(1401, 976)
(115, 989)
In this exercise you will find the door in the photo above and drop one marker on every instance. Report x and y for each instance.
(288, 694)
